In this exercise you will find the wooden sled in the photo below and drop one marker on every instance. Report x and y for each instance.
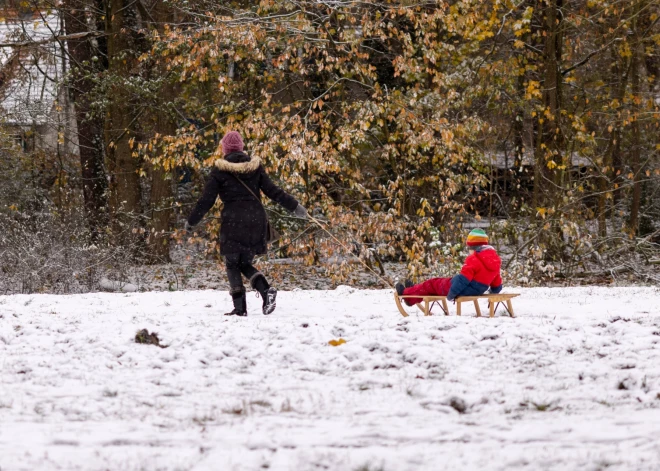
(429, 302)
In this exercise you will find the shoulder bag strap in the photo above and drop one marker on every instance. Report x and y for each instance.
(271, 233)
(248, 189)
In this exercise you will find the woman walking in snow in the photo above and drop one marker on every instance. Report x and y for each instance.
(239, 180)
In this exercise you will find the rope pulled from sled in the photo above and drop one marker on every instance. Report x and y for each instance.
(327, 231)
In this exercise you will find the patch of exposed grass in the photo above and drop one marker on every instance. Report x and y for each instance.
(261, 403)
(541, 406)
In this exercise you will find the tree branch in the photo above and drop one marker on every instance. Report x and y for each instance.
(589, 56)
(53, 39)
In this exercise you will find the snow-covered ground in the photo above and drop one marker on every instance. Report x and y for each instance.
(573, 383)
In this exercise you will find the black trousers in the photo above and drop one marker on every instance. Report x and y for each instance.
(239, 264)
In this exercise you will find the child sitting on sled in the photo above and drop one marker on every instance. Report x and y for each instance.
(480, 271)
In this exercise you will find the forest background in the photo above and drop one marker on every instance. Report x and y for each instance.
(402, 123)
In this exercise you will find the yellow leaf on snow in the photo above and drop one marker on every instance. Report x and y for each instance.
(336, 343)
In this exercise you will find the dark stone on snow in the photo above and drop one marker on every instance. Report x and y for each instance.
(144, 337)
(458, 404)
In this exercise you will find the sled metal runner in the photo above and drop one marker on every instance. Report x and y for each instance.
(429, 302)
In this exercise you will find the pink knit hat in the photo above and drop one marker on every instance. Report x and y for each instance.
(232, 142)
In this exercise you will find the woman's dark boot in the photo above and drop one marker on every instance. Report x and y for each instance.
(240, 303)
(267, 292)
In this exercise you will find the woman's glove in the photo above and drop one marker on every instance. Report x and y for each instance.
(301, 212)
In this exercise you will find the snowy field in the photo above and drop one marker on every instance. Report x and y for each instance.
(573, 383)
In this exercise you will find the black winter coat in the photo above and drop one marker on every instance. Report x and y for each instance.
(243, 228)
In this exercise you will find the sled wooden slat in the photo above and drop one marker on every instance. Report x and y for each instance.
(428, 302)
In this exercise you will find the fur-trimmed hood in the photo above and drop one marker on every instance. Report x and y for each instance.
(238, 162)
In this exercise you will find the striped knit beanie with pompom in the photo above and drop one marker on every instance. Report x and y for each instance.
(476, 238)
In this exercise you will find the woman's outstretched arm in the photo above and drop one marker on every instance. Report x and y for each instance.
(276, 193)
(206, 201)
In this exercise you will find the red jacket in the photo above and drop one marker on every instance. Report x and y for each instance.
(483, 267)
(480, 271)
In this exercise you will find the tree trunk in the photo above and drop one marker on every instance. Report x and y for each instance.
(125, 193)
(549, 139)
(608, 180)
(518, 143)
(162, 186)
(164, 123)
(90, 128)
(635, 157)
(519, 127)
(158, 242)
